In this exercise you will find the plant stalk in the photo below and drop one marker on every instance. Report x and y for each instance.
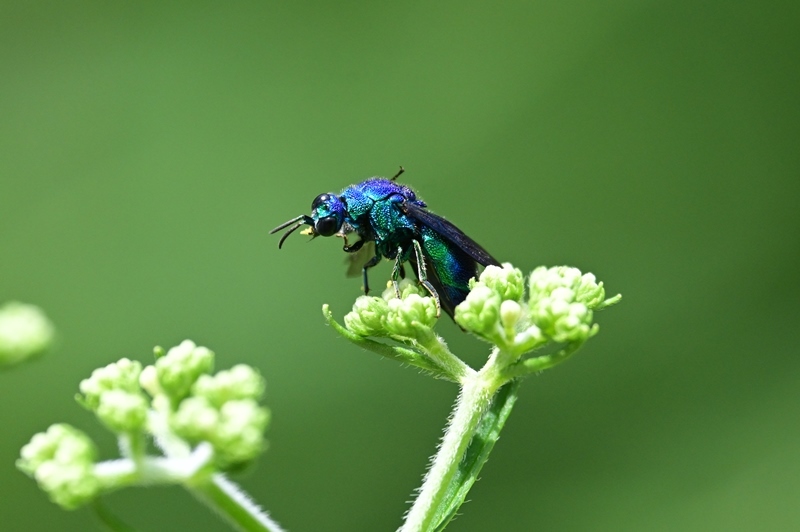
(234, 505)
(474, 399)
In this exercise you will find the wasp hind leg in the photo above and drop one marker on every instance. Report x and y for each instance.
(398, 271)
(422, 275)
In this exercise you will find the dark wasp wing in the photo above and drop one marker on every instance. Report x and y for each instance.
(450, 232)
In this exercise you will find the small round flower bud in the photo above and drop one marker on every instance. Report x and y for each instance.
(406, 316)
(120, 375)
(122, 411)
(507, 281)
(239, 382)
(148, 380)
(239, 436)
(195, 420)
(62, 462)
(479, 313)
(510, 312)
(181, 366)
(366, 318)
(25, 332)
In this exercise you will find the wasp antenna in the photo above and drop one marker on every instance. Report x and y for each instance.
(284, 225)
(289, 232)
(398, 173)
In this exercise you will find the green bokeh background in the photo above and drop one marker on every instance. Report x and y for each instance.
(147, 148)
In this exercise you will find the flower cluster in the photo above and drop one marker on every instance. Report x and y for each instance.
(62, 462)
(558, 307)
(177, 401)
(223, 410)
(561, 302)
(515, 314)
(114, 395)
(408, 316)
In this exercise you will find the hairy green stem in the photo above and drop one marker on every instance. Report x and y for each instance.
(234, 505)
(216, 491)
(438, 352)
(475, 397)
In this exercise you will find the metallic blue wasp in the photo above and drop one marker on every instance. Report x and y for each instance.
(392, 222)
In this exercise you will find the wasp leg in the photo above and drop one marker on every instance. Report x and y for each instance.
(398, 266)
(422, 275)
(355, 247)
(372, 262)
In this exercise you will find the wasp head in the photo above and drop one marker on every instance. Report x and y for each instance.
(327, 217)
(327, 213)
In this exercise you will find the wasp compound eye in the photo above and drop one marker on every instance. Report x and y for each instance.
(325, 226)
(319, 200)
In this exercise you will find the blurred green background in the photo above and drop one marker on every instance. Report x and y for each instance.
(146, 149)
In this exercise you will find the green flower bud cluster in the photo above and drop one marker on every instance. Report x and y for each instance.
(558, 307)
(561, 302)
(494, 308)
(515, 314)
(62, 462)
(506, 281)
(411, 316)
(25, 332)
(114, 395)
(174, 373)
(368, 316)
(224, 411)
(186, 406)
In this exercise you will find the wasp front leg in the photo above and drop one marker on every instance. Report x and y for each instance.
(355, 247)
(372, 262)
